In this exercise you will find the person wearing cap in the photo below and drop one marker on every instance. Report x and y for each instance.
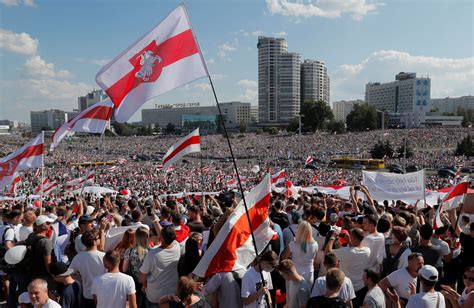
(71, 295)
(42, 248)
(428, 297)
(85, 224)
(24, 300)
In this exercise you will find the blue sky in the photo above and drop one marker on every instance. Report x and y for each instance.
(51, 50)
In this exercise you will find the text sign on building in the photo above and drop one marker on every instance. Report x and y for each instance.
(392, 186)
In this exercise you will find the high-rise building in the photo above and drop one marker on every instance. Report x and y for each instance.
(452, 104)
(51, 119)
(253, 114)
(315, 84)
(91, 98)
(341, 109)
(278, 81)
(407, 95)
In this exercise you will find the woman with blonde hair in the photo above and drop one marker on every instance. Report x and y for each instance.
(133, 259)
(303, 251)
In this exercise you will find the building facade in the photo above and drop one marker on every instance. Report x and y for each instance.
(235, 113)
(315, 83)
(91, 98)
(52, 119)
(341, 109)
(278, 81)
(406, 95)
(452, 104)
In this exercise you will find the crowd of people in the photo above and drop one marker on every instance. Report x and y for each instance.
(326, 251)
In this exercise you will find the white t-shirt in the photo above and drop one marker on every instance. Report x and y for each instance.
(376, 243)
(345, 293)
(89, 264)
(426, 300)
(112, 289)
(297, 293)
(304, 260)
(161, 269)
(250, 281)
(51, 304)
(400, 280)
(24, 232)
(445, 250)
(403, 260)
(353, 263)
(375, 298)
(288, 235)
(228, 289)
(78, 244)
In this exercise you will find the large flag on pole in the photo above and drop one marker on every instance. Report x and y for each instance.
(92, 120)
(27, 157)
(232, 248)
(451, 201)
(14, 183)
(279, 177)
(189, 144)
(165, 58)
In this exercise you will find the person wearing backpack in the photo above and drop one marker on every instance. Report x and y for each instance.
(9, 239)
(396, 253)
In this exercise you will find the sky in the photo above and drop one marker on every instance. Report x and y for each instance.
(51, 50)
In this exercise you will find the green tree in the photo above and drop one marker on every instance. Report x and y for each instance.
(294, 125)
(381, 150)
(468, 116)
(465, 147)
(242, 128)
(170, 128)
(337, 127)
(316, 115)
(362, 117)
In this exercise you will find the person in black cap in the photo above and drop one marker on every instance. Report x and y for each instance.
(71, 295)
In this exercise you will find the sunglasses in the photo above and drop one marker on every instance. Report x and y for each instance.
(470, 279)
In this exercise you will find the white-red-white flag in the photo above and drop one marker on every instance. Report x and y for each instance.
(89, 177)
(189, 144)
(290, 191)
(38, 188)
(165, 58)
(309, 160)
(48, 188)
(28, 156)
(233, 249)
(451, 201)
(278, 177)
(113, 168)
(14, 184)
(121, 160)
(314, 179)
(92, 120)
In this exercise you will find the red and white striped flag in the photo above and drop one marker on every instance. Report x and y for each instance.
(232, 183)
(279, 177)
(27, 157)
(122, 160)
(314, 179)
(451, 201)
(165, 58)
(92, 120)
(290, 191)
(38, 188)
(232, 248)
(89, 177)
(15, 182)
(48, 188)
(189, 144)
(113, 168)
(309, 160)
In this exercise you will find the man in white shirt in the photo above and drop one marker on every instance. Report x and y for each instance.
(89, 264)
(373, 240)
(227, 288)
(375, 298)
(38, 292)
(113, 289)
(403, 281)
(159, 271)
(354, 260)
(346, 292)
(428, 297)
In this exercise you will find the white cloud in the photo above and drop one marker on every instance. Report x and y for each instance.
(322, 8)
(30, 3)
(202, 86)
(21, 43)
(246, 83)
(101, 62)
(225, 48)
(218, 76)
(35, 66)
(449, 77)
(251, 33)
(280, 34)
(210, 61)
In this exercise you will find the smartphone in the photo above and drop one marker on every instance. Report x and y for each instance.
(356, 187)
(110, 217)
(148, 211)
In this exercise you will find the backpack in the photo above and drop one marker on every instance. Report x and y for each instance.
(390, 263)
(4, 266)
(26, 265)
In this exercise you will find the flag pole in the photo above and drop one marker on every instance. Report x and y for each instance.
(231, 151)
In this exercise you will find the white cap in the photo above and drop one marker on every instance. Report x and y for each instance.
(24, 298)
(15, 254)
(429, 273)
(42, 219)
(90, 210)
(52, 216)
